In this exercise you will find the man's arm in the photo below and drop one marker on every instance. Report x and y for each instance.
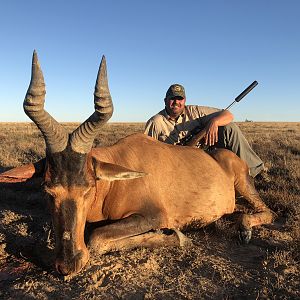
(151, 130)
(212, 123)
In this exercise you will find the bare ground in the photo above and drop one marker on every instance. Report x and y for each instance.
(216, 266)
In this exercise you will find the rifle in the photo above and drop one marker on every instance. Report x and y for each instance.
(196, 137)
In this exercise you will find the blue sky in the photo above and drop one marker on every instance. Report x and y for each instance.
(214, 48)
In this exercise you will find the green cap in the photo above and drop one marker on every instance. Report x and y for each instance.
(175, 90)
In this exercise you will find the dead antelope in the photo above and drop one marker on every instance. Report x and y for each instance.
(139, 185)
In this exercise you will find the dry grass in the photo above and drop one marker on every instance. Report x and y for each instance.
(216, 267)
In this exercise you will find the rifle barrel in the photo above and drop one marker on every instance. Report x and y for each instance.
(230, 105)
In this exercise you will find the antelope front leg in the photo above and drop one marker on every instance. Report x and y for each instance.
(105, 238)
(131, 232)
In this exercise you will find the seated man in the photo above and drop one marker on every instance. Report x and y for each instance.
(177, 120)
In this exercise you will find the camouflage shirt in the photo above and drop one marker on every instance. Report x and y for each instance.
(163, 128)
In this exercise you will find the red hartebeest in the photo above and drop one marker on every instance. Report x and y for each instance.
(139, 185)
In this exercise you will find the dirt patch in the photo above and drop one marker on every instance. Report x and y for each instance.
(216, 266)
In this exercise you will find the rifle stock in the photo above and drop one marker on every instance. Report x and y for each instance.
(195, 141)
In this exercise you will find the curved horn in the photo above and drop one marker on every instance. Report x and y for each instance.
(55, 135)
(82, 138)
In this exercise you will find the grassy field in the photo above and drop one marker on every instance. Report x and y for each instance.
(217, 266)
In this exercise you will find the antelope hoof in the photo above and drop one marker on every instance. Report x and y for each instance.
(184, 241)
(245, 235)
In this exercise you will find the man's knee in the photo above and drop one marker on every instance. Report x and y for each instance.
(231, 134)
(232, 128)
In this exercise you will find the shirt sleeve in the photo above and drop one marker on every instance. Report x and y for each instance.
(207, 113)
(151, 129)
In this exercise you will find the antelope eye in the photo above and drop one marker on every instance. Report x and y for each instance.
(49, 191)
(50, 199)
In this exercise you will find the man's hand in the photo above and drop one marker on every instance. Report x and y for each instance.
(211, 136)
(221, 118)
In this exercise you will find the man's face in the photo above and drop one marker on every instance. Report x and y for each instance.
(175, 106)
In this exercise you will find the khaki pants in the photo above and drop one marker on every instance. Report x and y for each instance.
(231, 137)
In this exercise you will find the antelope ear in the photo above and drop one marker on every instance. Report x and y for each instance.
(23, 173)
(113, 172)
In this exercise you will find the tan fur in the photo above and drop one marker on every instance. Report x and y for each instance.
(141, 184)
(183, 184)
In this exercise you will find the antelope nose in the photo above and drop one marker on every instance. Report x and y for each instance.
(72, 266)
(62, 269)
